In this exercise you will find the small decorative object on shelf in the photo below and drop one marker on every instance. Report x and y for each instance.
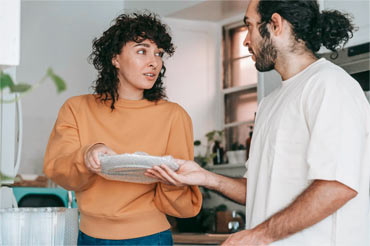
(237, 154)
(217, 149)
(218, 152)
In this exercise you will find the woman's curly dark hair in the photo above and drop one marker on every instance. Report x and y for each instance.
(135, 27)
(330, 28)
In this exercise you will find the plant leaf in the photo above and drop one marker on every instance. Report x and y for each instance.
(5, 81)
(4, 177)
(58, 81)
(210, 135)
(18, 88)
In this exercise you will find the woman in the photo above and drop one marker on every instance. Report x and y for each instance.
(127, 113)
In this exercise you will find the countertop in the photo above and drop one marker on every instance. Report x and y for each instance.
(199, 238)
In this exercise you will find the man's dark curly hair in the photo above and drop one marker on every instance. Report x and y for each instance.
(330, 28)
(135, 27)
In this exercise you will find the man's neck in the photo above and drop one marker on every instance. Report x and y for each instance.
(290, 64)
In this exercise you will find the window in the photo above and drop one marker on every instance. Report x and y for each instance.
(239, 85)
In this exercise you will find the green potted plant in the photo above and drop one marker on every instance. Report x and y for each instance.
(204, 155)
(22, 89)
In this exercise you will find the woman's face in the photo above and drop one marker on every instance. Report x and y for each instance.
(138, 65)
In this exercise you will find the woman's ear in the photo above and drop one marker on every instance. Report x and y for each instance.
(276, 24)
(115, 62)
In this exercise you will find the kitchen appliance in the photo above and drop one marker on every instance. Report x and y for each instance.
(44, 197)
(356, 61)
(44, 216)
(38, 226)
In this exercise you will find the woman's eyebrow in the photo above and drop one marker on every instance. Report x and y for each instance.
(142, 44)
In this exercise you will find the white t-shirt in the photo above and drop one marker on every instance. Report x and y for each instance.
(315, 126)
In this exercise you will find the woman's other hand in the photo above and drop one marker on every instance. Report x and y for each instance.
(91, 156)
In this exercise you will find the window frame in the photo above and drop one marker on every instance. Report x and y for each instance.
(226, 76)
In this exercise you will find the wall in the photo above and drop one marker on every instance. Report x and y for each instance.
(59, 34)
(193, 73)
(56, 34)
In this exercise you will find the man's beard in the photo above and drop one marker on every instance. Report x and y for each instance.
(265, 60)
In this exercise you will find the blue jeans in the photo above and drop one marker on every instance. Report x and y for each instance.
(159, 239)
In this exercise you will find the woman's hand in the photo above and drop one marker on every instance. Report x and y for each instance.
(91, 156)
(189, 173)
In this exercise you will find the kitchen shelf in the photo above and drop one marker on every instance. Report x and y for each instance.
(239, 88)
(199, 238)
(226, 166)
(239, 123)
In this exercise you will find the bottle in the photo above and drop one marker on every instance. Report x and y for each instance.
(248, 142)
(219, 153)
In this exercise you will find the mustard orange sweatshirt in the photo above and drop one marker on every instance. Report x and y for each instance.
(114, 209)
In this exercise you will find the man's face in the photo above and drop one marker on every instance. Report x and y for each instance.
(262, 48)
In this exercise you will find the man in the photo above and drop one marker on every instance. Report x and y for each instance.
(308, 173)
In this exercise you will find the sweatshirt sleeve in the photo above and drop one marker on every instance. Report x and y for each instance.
(64, 157)
(179, 201)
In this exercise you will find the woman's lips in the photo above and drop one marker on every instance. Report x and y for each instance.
(150, 76)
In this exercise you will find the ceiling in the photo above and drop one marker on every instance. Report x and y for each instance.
(161, 7)
(212, 10)
(209, 10)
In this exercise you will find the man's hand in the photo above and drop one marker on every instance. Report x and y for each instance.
(247, 237)
(189, 173)
(92, 161)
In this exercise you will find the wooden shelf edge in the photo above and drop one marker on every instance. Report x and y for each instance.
(226, 166)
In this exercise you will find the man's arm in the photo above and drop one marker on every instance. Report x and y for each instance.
(190, 173)
(318, 201)
(233, 188)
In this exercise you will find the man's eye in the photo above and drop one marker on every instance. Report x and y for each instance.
(141, 52)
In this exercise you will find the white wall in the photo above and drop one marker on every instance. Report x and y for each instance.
(56, 34)
(193, 73)
(59, 34)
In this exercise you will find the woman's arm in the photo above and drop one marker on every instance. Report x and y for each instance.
(64, 158)
(185, 201)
